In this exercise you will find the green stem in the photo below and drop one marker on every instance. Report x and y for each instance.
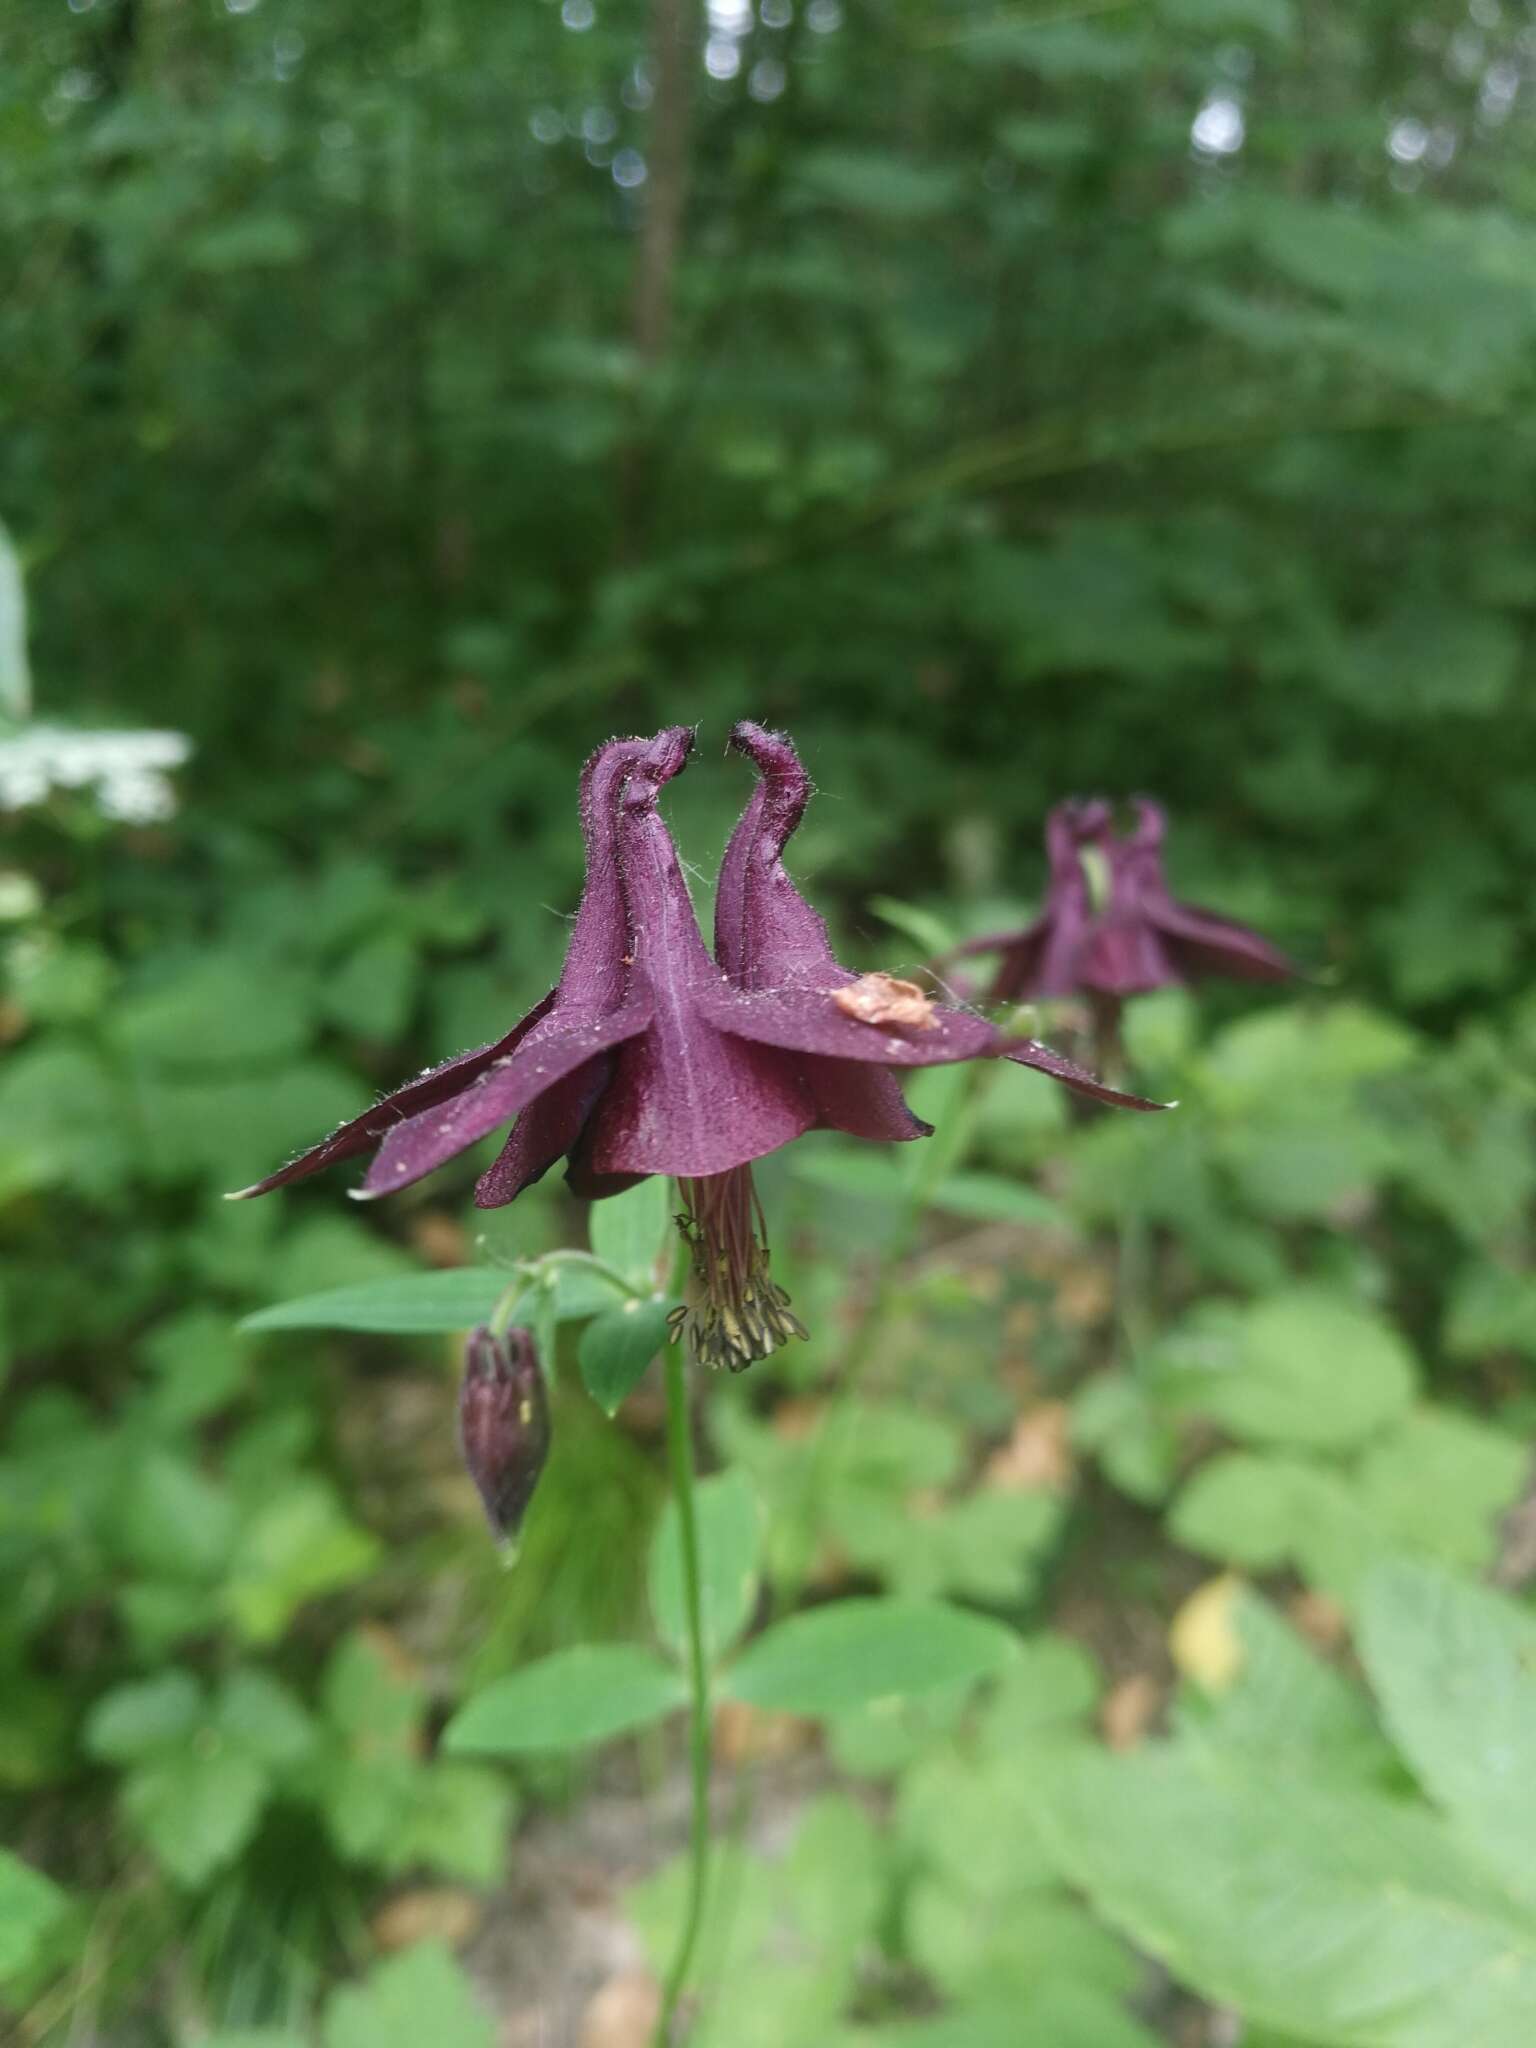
(680, 1451)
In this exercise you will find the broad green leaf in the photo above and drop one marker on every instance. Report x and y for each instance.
(418, 1997)
(617, 1346)
(1454, 1666)
(853, 1651)
(1440, 1482)
(1349, 1919)
(31, 1907)
(195, 1809)
(412, 1305)
(1055, 2014)
(571, 1700)
(135, 1720)
(730, 1526)
(631, 1231)
(1304, 1367)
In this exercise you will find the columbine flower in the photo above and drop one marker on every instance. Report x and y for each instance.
(1110, 928)
(504, 1423)
(651, 1058)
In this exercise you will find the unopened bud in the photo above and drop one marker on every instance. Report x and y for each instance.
(504, 1423)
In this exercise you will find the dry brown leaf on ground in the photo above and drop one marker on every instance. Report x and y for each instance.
(623, 2014)
(1129, 1709)
(1037, 1457)
(439, 1913)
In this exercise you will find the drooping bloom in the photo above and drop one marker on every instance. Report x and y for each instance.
(652, 1057)
(1110, 927)
(504, 1423)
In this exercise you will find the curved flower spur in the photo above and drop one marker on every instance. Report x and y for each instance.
(652, 1057)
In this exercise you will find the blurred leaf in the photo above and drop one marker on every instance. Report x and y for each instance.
(31, 1908)
(413, 1305)
(195, 1810)
(730, 1529)
(415, 1997)
(298, 1546)
(135, 1720)
(852, 1651)
(1333, 1914)
(1454, 1667)
(631, 1231)
(572, 1700)
(1303, 1367)
(617, 1346)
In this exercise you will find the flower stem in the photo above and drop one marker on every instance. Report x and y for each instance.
(680, 1451)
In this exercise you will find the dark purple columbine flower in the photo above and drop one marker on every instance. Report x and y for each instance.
(1110, 927)
(504, 1423)
(651, 1057)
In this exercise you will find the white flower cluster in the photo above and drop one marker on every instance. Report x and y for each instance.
(126, 772)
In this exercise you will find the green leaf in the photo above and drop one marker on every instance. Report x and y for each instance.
(134, 1721)
(174, 1523)
(572, 1700)
(854, 1651)
(1340, 1916)
(418, 1997)
(31, 1909)
(1440, 1482)
(196, 1810)
(371, 991)
(261, 1716)
(630, 1231)
(458, 1823)
(299, 1546)
(412, 1305)
(617, 1346)
(730, 1523)
(1304, 1367)
(989, 1198)
(1454, 1666)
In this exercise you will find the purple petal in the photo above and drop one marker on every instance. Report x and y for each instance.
(1203, 943)
(424, 1093)
(545, 1132)
(545, 1058)
(1028, 1053)
(809, 1020)
(859, 1099)
(688, 1101)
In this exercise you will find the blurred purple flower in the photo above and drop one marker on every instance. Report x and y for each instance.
(1110, 928)
(504, 1423)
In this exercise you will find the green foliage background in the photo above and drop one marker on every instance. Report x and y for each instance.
(1001, 429)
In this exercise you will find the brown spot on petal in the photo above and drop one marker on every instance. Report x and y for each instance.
(889, 1004)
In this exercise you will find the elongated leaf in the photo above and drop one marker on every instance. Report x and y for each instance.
(1454, 1667)
(571, 1700)
(991, 1198)
(1350, 1920)
(730, 1518)
(412, 1305)
(617, 1346)
(854, 1651)
(630, 1231)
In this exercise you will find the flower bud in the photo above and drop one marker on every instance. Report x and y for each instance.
(504, 1423)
